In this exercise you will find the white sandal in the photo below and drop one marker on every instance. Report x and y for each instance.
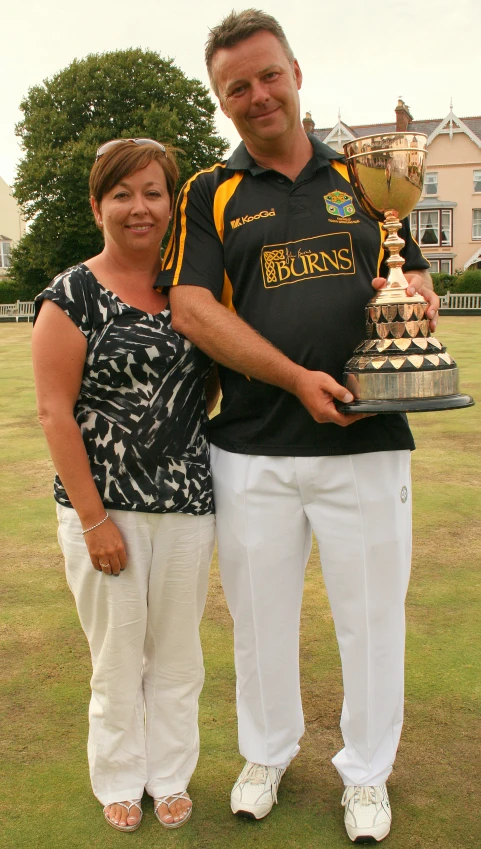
(128, 807)
(167, 800)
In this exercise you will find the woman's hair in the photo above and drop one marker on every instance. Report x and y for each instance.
(237, 27)
(123, 159)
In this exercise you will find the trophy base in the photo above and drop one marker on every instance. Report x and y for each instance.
(408, 405)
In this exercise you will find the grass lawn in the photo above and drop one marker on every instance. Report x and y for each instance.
(45, 666)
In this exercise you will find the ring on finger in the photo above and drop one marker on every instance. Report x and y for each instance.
(104, 565)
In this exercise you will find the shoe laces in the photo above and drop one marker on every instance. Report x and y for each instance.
(259, 774)
(362, 795)
(256, 774)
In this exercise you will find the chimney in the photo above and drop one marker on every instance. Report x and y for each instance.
(403, 116)
(308, 123)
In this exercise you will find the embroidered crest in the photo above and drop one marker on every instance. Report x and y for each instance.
(340, 204)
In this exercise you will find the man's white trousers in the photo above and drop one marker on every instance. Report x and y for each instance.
(143, 632)
(359, 508)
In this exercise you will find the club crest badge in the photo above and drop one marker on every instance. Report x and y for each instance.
(339, 204)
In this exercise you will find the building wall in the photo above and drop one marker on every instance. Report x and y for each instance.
(12, 225)
(455, 161)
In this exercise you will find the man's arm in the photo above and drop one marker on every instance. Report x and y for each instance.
(232, 342)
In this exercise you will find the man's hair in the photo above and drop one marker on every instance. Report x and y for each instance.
(237, 27)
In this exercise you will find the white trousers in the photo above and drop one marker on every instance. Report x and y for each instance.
(359, 508)
(143, 632)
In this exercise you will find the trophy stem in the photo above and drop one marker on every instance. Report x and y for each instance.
(394, 244)
(395, 290)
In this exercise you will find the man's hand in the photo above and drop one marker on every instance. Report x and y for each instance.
(317, 391)
(420, 282)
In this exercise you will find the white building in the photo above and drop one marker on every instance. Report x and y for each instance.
(12, 226)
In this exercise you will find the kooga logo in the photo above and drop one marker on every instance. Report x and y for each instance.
(246, 219)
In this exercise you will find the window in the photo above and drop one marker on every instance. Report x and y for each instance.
(413, 223)
(5, 251)
(446, 227)
(429, 227)
(476, 223)
(437, 265)
(431, 183)
(477, 180)
(432, 227)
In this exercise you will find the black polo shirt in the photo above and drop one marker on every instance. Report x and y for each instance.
(295, 260)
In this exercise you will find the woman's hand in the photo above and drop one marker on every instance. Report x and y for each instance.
(106, 548)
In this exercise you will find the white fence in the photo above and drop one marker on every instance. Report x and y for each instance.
(460, 302)
(19, 311)
(22, 310)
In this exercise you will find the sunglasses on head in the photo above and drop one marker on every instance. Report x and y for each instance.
(105, 147)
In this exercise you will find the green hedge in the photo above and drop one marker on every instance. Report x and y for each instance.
(469, 282)
(443, 282)
(12, 291)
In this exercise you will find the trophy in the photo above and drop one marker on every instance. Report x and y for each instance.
(399, 367)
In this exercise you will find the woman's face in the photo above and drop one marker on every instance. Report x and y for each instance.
(135, 214)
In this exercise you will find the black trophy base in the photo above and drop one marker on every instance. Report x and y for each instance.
(408, 405)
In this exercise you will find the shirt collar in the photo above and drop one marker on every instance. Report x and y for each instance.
(241, 160)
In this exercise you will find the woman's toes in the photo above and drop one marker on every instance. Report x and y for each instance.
(114, 813)
(119, 814)
(180, 809)
(165, 813)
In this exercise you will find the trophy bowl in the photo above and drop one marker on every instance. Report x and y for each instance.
(399, 367)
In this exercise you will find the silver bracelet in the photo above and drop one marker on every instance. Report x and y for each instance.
(97, 525)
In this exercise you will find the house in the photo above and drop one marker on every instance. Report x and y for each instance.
(447, 220)
(12, 226)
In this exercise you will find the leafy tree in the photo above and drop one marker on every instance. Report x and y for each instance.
(126, 93)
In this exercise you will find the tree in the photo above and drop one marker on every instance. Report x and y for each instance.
(126, 93)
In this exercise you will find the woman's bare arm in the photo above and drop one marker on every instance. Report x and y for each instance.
(59, 350)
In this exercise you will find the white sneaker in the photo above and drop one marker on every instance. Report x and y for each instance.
(255, 791)
(368, 813)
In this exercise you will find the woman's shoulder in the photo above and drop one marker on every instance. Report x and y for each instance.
(78, 292)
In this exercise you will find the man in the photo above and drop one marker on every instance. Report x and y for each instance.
(271, 278)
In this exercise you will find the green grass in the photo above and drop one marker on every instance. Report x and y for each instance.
(46, 798)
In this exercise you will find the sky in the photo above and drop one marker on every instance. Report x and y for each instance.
(357, 56)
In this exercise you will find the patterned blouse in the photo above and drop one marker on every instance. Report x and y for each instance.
(141, 408)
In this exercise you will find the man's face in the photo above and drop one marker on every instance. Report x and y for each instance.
(258, 88)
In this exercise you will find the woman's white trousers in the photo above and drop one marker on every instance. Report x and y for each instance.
(359, 508)
(143, 632)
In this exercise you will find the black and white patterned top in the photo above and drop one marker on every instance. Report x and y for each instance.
(141, 408)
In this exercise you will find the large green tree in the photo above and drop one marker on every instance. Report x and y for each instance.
(126, 93)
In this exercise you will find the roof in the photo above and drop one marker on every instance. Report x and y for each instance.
(425, 126)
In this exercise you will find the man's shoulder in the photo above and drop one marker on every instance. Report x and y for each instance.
(206, 183)
(207, 176)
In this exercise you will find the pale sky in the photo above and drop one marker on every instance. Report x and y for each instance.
(357, 56)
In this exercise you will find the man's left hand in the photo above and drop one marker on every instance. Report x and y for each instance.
(420, 282)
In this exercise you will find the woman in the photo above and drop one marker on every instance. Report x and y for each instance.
(121, 399)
